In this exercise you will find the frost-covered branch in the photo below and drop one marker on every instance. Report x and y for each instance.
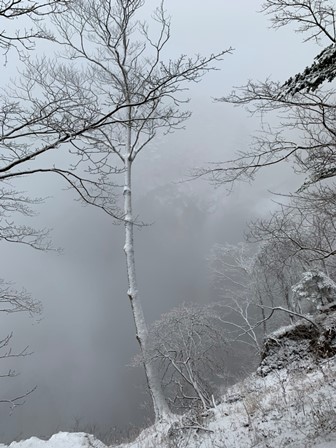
(28, 15)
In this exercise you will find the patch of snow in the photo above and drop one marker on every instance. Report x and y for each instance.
(60, 440)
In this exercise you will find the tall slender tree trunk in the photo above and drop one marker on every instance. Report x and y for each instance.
(160, 405)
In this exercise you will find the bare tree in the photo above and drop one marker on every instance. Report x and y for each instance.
(315, 19)
(5, 354)
(109, 99)
(14, 207)
(305, 133)
(256, 281)
(33, 125)
(12, 300)
(14, 204)
(304, 136)
(249, 277)
(188, 344)
(302, 232)
(300, 235)
(23, 124)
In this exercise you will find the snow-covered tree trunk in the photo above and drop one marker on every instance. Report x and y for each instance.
(161, 408)
(131, 93)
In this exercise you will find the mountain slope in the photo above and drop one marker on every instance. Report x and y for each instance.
(289, 402)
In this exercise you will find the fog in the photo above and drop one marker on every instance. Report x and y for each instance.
(84, 341)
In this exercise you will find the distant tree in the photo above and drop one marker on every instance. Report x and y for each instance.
(188, 345)
(13, 301)
(251, 277)
(14, 205)
(261, 288)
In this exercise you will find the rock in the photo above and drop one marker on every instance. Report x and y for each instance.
(297, 345)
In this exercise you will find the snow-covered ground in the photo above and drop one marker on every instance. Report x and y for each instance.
(295, 409)
(285, 409)
(290, 402)
(60, 440)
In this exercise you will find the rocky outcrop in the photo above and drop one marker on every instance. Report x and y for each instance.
(300, 344)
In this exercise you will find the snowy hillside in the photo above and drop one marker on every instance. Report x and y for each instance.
(289, 402)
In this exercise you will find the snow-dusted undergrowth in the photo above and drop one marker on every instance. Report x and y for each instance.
(283, 409)
(289, 402)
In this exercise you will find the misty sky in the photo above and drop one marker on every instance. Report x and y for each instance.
(85, 341)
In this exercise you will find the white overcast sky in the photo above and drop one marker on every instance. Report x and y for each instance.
(86, 337)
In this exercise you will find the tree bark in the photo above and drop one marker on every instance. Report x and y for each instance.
(161, 409)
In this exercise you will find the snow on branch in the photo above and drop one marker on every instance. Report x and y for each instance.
(315, 286)
(323, 69)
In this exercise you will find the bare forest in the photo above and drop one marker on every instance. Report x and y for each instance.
(167, 176)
